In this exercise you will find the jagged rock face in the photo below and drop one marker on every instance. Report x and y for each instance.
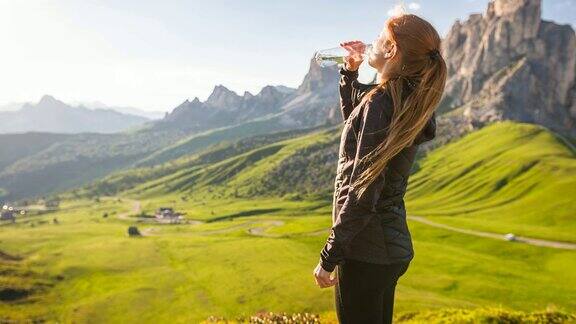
(224, 99)
(508, 63)
(320, 79)
(312, 104)
(315, 100)
(224, 107)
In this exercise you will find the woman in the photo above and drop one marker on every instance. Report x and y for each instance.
(370, 245)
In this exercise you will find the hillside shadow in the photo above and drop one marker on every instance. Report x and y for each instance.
(252, 212)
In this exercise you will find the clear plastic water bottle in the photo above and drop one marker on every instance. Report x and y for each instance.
(335, 56)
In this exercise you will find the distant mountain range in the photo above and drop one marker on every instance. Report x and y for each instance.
(69, 161)
(55, 116)
(224, 107)
(150, 114)
(505, 64)
(12, 106)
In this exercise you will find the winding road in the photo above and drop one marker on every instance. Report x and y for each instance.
(264, 225)
(522, 239)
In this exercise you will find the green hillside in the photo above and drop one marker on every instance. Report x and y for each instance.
(256, 172)
(37, 164)
(507, 177)
(198, 142)
(254, 241)
(214, 168)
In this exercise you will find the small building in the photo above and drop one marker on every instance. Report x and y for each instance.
(168, 214)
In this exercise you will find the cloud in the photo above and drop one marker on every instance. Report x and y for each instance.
(396, 10)
(414, 6)
(400, 9)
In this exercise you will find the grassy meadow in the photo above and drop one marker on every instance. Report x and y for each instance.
(247, 252)
(508, 177)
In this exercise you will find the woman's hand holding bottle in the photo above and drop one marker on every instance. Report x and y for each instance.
(355, 56)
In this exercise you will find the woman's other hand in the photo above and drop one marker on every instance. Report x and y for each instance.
(322, 277)
(355, 54)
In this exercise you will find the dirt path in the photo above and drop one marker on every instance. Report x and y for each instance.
(136, 209)
(261, 230)
(149, 231)
(522, 239)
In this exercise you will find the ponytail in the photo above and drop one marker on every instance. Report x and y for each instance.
(411, 112)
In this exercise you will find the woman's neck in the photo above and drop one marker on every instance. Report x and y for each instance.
(379, 77)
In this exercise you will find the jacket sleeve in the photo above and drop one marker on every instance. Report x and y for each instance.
(356, 212)
(351, 91)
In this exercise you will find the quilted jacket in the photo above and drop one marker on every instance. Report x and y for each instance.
(371, 228)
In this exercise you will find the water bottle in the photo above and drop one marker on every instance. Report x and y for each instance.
(335, 56)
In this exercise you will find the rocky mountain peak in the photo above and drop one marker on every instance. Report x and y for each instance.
(502, 8)
(319, 78)
(269, 91)
(46, 103)
(511, 64)
(222, 97)
(219, 91)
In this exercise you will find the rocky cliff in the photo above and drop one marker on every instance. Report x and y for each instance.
(224, 107)
(508, 63)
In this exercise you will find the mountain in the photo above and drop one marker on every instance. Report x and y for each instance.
(150, 114)
(509, 64)
(224, 107)
(505, 64)
(55, 116)
(225, 116)
(314, 103)
(12, 106)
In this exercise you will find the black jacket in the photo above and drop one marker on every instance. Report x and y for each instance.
(372, 228)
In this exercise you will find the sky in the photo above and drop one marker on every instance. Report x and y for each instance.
(153, 55)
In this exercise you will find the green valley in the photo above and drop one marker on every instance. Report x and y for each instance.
(258, 213)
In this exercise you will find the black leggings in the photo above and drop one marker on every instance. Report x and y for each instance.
(364, 293)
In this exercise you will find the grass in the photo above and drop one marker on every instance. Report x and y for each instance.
(507, 177)
(185, 273)
(85, 268)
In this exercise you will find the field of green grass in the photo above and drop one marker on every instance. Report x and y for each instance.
(256, 253)
(507, 177)
(91, 270)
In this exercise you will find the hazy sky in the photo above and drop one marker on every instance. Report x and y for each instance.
(155, 54)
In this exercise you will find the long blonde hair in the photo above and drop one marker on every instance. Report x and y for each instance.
(415, 39)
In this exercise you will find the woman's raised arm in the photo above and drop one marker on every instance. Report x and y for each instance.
(351, 91)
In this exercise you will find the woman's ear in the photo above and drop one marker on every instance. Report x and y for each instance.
(390, 51)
